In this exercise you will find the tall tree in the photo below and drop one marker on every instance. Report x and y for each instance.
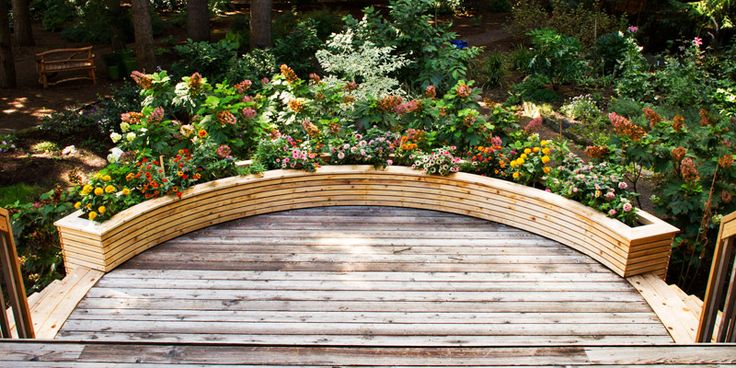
(7, 62)
(143, 35)
(260, 23)
(198, 20)
(22, 22)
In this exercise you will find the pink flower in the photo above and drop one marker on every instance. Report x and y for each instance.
(697, 41)
(628, 207)
(341, 155)
(158, 114)
(612, 212)
(430, 91)
(632, 29)
(248, 113)
(534, 124)
(389, 162)
(247, 99)
(622, 185)
(496, 141)
(224, 151)
(265, 80)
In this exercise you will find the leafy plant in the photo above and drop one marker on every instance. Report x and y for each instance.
(555, 56)
(7, 143)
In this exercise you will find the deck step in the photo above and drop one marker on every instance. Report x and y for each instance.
(679, 316)
(51, 306)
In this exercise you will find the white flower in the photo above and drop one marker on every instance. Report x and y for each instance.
(115, 137)
(124, 127)
(130, 136)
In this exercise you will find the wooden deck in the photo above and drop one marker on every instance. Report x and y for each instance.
(364, 276)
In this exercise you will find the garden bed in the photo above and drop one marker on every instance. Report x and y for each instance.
(625, 250)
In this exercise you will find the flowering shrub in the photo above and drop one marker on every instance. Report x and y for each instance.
(283, 152)
(529, 160)
(439, 161)
(489, 160)
(101, 197)
(374, 148)
(600, 186)
(7, 143)
(695, 176)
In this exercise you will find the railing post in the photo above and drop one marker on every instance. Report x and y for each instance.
(13, 282)
(718, 287)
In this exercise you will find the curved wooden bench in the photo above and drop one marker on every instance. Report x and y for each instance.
(625, 250)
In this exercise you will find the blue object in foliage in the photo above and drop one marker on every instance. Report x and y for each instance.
(460, 44)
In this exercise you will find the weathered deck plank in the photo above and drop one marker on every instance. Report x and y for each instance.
(364, 276)
(100, 354)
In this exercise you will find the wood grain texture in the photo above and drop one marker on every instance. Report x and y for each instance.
(364, 276)
(624, 250)
(107, 354)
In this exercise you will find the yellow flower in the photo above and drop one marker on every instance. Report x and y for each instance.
(543, 143)
(109, 189)
(545, 159)
(520, 161)
(78, 205)
(546, 151)
(101, 209)
(88, 206)
(129, 177)
(516, 175)
(535, 149)
(597, 193)
(523, 156)
(99, 191)
(87, 189)
(547, 169)
(92, 215)
(512, 163)
(106, 178)
(527, 150)
(126, 191)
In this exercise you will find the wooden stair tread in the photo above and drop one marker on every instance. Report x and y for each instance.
(677, 316)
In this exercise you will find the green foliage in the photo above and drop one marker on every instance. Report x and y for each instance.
(7, 143)
(45, 147)
(409, 31)
(607, 51)
(36, 237)
(54, 14)
(693, 161)
(213, 59)
(583, 21)
(534, 88)
(582, 108)
(489, 70)
(555, 56)
(371, 66)
(298, 46)
(601, 186)
(20, 193)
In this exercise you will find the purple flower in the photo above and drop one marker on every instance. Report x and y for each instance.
(632, 29)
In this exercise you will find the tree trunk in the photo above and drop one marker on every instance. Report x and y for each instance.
(260, 23)
(198, 20)
(7, 62)
(143, 36)
(22, 22)
(117, 16)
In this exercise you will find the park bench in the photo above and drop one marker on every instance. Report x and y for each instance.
(64, 60)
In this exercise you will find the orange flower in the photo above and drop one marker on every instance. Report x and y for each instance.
(288, 73)
(295, 105)
(202, 133)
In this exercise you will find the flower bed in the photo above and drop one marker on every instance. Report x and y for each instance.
(625, 250)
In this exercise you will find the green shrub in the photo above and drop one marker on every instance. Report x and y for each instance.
(489, 70)
(555, 56)
(45, 147)
(214, 59)
(625, 106)
(20, 193)
(534, 88)
(36, 237)
(607, 52)
(582, 108)
(298, 46)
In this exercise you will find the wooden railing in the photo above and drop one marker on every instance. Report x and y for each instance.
(721, 288)
(13, 284)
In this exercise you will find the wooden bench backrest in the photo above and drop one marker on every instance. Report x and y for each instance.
(66, 54)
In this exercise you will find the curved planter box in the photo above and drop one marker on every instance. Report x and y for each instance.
(625, 250)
